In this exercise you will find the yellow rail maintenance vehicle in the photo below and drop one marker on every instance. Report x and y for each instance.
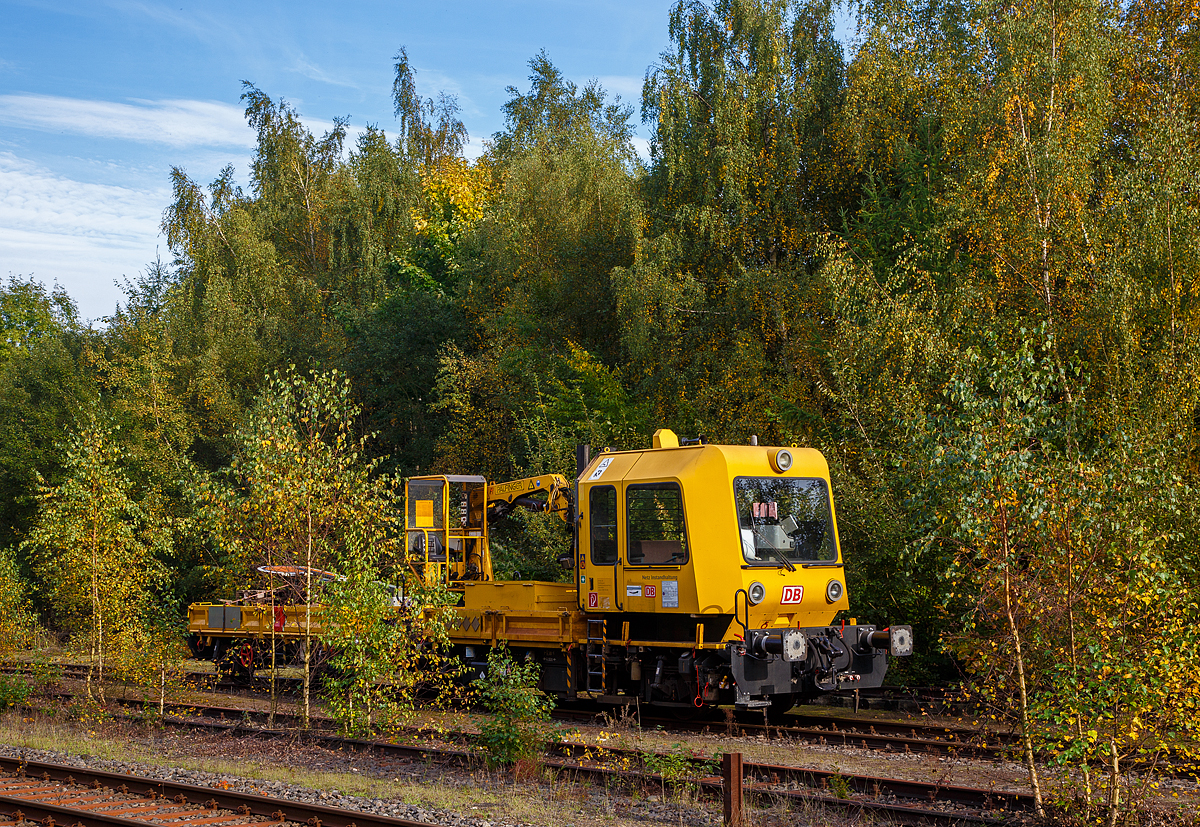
(703, 575)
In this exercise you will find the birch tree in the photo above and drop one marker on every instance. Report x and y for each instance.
(300, 492)
(87, 550)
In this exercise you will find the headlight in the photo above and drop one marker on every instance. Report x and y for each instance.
(781, 460)
(833, 591)
(756, 592)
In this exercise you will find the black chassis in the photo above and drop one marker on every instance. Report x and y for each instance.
(838, 657)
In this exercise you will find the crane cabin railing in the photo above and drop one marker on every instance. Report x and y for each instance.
(447, 520)
(446, 536)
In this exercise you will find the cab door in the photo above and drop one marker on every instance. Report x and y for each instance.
(601, 528)
(601, 536)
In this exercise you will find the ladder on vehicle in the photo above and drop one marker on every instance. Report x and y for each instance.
(597, 649)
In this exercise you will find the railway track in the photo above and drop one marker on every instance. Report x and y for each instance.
(902, 801)
(846, 732)
(822, 730)
(889, 736)
(899, 698)
(833, 732)
(209, 680)
(56, 794)
(960, 742)
(869, 735)
(932, 699)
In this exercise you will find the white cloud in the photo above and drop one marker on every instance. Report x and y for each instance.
(303, 66)
(432, 82)
(642, 147)
(475, 147)
(83, 236)
(176, 123)
(627, 86)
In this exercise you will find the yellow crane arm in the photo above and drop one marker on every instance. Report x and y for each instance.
(549, 492)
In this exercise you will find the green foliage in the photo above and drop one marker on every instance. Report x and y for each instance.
(18, 624)
(1062, 550)
(394, 361)
(29, 314)
(430, 130)
(364, 640)
(840, 786)
(518, 712)
(384, 654)
(14, 690)
(152, 657)
(301, 492)
(18, 631)
(562, 213)
(679, 767)
(91, 549)
(42, 385)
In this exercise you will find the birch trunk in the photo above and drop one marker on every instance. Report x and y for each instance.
(308, 615)
(1010, 615)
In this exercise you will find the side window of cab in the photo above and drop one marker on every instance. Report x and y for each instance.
(602, 522)
(657, 533)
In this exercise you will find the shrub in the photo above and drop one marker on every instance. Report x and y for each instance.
(14, 689)
(518, 724)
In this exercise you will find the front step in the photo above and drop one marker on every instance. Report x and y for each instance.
(595, 654)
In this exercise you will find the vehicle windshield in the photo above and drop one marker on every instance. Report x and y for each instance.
(784, 519)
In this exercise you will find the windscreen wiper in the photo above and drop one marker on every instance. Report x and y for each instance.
(782, 559)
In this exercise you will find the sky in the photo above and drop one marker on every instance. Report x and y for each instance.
(99, 100)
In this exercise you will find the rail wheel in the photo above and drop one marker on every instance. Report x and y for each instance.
(237, 663)
(779, 708)
(244, 657)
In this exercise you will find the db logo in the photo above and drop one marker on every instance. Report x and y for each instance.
(649, 591)
(593, 600)
(792, 594)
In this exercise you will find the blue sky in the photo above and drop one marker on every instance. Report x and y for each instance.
(98, 100)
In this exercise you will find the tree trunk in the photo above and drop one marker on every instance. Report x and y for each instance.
(1087, 775)
(100, 651)
(97, 608)
(1114, 783)
(307, 656)
(274, 670)
(94, 653)
(91, 660)
(308, 614)
(1010, 615)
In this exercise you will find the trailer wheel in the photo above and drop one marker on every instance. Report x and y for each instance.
(244, 662)
(779, 708)
(237, 662)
